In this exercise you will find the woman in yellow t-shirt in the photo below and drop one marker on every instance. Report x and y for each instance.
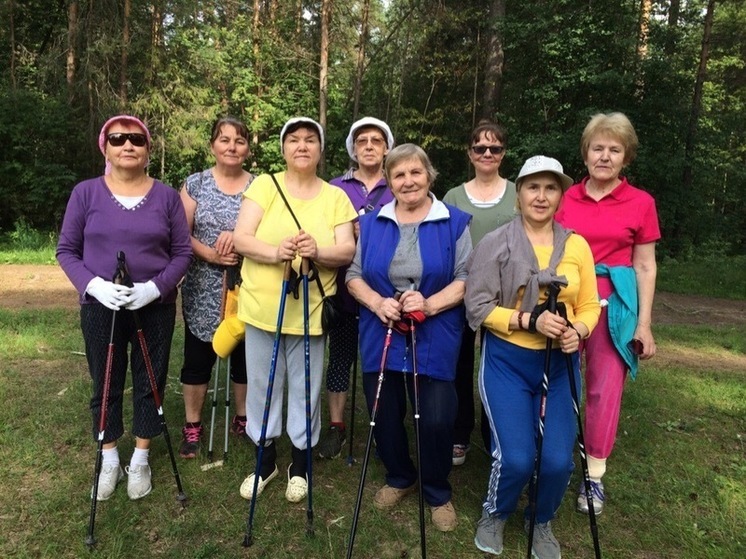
(267, 236)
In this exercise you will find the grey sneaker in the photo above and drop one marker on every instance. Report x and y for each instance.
(331, 445)
(489, 536)
(545, 545)
(597, 495)
(111, 474)
(138, 482)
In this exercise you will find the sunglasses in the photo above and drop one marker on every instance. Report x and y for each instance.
(494, 150)
(118, 139)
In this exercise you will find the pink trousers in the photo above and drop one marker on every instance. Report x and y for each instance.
(604, 383)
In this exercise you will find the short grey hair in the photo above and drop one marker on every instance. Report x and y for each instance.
(404, 152)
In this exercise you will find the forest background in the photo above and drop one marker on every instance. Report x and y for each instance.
(430, 68)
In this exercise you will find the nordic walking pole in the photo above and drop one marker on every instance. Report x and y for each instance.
(227, 405)
(418, 446)
(304, 268)
(581, 442)
(181, 497)
(216, 373)
(534, 490)
(369, 443)
(90, 540)
(350, 459)
(248, 537)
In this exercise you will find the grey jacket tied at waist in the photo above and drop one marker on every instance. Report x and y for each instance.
(505, 261)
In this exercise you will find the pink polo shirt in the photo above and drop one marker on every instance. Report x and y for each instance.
(612, 225)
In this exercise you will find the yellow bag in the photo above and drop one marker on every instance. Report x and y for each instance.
(231, 330)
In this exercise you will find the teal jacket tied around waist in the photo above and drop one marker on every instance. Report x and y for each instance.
(622, 311)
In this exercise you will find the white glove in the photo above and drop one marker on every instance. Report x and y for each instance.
(142, 294)
(110, 295)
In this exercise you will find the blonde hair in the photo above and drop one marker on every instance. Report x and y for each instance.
(615, 125)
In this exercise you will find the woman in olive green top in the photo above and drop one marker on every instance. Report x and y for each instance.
(490, 199)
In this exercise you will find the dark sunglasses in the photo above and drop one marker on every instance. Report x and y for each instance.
(118, 139)
(481, 150)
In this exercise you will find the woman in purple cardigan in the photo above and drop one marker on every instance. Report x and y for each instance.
(125, 210)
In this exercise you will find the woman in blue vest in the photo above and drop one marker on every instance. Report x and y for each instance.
(415, 246)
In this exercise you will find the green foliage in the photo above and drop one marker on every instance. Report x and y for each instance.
(190, 62)
(707, 271)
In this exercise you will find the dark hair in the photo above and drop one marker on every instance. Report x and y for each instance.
(298, 125)
(489, 128)
(240, 127)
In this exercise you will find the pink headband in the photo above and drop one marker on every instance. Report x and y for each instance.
(127, 119)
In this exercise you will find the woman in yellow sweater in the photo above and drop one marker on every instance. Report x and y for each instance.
(508, 275)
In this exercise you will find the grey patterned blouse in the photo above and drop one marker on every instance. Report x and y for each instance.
(202, 289)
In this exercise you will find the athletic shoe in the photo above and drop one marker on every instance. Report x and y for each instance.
(331, 445)
(489, 536)
(111, 474)
(297, 489)
(190, 441)
(387, 496)
(138, 482)
(238, 426)
(247, 487)
(444, 517)
(545, 545)
(459, 454)
(597, 494)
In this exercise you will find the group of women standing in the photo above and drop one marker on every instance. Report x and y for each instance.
(402, 260)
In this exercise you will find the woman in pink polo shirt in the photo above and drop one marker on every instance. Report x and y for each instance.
(620, 224)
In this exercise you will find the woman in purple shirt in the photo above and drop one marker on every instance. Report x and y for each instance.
(367, 144)
(125, 210)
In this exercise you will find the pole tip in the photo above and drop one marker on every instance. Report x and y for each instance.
(90, 541)
(247, 540)
(182, 498)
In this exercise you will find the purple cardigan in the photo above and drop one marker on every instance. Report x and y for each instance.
(154, 236)
(360, 199)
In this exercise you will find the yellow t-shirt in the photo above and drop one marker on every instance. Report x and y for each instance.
(580, 296)
(259, 301)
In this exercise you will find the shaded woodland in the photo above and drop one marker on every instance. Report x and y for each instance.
(430, 68)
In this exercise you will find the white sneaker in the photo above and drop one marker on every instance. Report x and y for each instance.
(138, 482)
(297, 488)
(110, 475)
(247, 487)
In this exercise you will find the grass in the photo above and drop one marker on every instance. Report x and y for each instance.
(711, 276)
(676, 484)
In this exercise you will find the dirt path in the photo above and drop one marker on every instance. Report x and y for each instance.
(43, 287)
(46, 287)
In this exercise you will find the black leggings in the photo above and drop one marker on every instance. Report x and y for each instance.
(158, 327)
(199, 359)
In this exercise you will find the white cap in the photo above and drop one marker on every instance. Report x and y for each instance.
(296, 120)
(362, 123)
(543, 164)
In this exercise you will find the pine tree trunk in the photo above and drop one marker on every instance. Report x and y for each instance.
(11, 21)
(72, 55)
(258, 68)
(361, 59)
(125, 54)
(493, 65)
(326, 8)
